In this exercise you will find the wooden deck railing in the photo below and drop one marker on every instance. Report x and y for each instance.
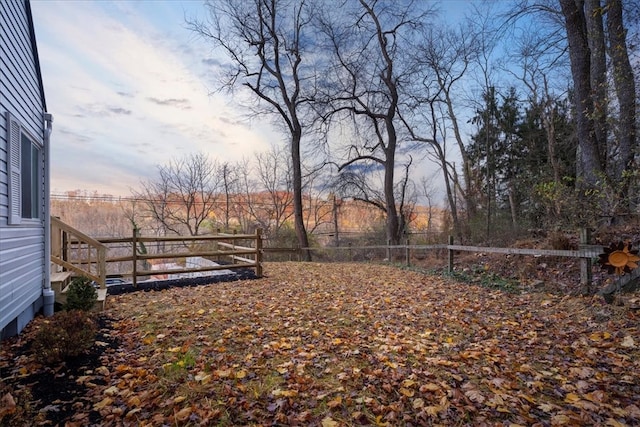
(220, 246)
(74, 251)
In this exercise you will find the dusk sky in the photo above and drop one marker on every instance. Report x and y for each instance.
(129, 89)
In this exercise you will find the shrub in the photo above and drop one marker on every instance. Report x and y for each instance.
(66, 334)
(81, 295)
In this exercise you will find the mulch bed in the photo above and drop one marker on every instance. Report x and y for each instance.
(49, 395)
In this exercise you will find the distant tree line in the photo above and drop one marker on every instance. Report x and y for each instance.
(197, 195)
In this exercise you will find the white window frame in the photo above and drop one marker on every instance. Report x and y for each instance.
(15, 134)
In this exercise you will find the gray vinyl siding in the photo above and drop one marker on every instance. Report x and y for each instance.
(22, 247)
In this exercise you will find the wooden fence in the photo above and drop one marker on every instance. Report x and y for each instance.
(225, 247)
(585, 253)
(219, 246)
(222, 247)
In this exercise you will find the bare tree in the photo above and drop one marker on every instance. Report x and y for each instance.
(267, 44)
(369, 43)
(448, 55)
(230, 182)
(184, 195)
(319, 207)
(436, 140)
(428, 191)
(272, 202)
(443, 57)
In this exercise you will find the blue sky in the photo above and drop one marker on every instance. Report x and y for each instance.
(129, 89)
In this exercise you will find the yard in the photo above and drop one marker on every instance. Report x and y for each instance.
(357, 344)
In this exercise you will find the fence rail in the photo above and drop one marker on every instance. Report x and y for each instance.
(72, 250)
(221, 246)
(586, 252)
(82, 254)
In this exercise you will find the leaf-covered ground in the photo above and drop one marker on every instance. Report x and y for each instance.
(354, 344)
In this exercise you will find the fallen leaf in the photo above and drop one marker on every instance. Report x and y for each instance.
(7, 405)
(183, 414)
(329, 422)
(628, 342)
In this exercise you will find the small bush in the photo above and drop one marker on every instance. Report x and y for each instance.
(66, 334)
(81, 295)
(560, 241)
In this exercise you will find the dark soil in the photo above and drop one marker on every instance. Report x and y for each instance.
(49, 395)
(158, 285)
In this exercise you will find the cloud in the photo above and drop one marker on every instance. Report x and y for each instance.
(100, 111)
(111, 70)
(119, 110)
(183, 103)
(213, 62)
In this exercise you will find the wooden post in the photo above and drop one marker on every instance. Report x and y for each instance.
(102, 267)
(134, 240)
(259, 252)
(56, 243)
(216, 247)
(388, 250)
(407, 254)
(586, 274)
(65, 246)
(450, 252)
(89, 262)
(233, 242)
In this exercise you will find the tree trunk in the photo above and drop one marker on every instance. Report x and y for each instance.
(469, 191)
(457, 228)
(392, 222)
(625, 92)
(512, 204)
(336, 229)
(301, 232)
(589, 169)
(598, 70)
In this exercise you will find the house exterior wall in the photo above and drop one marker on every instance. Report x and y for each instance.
(22, 246)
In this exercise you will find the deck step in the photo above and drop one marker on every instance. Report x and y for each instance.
(59, 281)
(101, 303)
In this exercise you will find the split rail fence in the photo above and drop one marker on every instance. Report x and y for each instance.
(83, 255)
(586, 253)
(79, 253)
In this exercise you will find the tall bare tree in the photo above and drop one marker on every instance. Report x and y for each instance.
(269, 49)
(230, 185)
(369, 42)
(273, 198)
(590, 168)
(443, 57)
